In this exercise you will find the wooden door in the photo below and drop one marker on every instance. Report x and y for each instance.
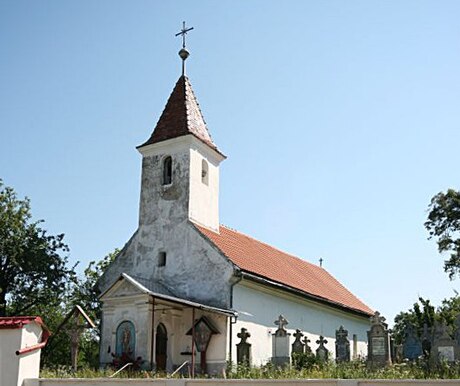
(161, 347)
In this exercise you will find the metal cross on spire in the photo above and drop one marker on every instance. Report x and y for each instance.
(183, 53)
(183, 32)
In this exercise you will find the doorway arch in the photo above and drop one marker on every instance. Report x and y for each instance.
(161, 344)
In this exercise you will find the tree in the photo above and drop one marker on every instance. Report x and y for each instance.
(443, 223)
(83, 292)
(422, 313)
(32, 270)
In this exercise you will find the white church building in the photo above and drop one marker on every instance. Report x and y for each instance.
(183, 274)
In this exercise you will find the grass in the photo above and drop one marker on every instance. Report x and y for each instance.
(352, 370)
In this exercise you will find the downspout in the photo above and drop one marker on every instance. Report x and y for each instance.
(232, 321)
(193, 342)
(46, 334)
(153, 334)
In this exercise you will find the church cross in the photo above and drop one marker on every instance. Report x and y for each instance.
(183, 32)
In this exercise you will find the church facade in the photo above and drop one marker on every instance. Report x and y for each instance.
(184, 286)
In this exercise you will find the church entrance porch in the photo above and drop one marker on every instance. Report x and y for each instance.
(164, 331)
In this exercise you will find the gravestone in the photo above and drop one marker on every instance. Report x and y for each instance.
(457, 329)
(444, 348)
(412, 346)
(280, 343)
(378, 354)
(322, 353)
(342, 345)
(298, 347)
(426, 340)
(243, 349)
(307, 347)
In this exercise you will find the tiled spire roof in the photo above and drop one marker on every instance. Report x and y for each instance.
(181, 116)
(265, 261)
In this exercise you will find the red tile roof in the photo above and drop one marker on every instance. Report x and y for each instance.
(265, 261)
(12, 322)
(181, 116)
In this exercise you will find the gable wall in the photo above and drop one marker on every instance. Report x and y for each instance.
(259, 306)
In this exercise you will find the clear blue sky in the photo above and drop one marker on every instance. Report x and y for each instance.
(340, 121)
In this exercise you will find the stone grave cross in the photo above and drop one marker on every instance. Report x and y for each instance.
(280, 343)
(243, 349)
(322, 353)
(342, 345)
(298, 346)
(307, 347)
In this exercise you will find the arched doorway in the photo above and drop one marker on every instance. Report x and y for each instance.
(161, 346)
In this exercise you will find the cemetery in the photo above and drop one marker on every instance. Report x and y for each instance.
(434, 354)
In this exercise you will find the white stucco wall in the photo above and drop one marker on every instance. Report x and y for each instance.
(10, 341)
(259, 306)
(133, 308)
(204, 197)
(15, 368)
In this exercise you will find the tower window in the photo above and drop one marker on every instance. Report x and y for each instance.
(162, 259)
(167, 171)
(204, 172)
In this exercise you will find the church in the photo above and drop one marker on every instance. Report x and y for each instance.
(184, 286)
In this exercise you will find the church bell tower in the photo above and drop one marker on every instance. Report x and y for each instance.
(180, 163)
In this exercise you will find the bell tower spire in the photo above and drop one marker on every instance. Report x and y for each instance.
(180, 166)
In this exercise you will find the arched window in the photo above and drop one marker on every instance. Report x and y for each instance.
(126, 339)
(167, 171)
(204, 172)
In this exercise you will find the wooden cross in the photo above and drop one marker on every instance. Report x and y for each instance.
(183, 32)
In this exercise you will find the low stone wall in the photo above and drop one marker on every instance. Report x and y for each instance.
(239, 382)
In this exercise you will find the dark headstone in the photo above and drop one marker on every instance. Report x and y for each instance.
(298, 346)
(378, 342)
(243, 349)
(280, 344)
(457, 329)
(426, 340)
(342, 345)
(322, 353)
(412, 346)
